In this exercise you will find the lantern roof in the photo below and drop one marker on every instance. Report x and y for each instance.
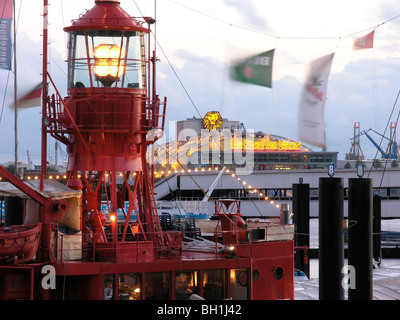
(106, 15)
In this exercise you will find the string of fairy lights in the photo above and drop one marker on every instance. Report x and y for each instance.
(246, 186)
(261, 195)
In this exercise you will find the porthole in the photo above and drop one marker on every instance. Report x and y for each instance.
(278, 273)
(256, 273)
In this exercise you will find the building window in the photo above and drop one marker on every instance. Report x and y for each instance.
(186, 284)
(129, 286)
(214, 284)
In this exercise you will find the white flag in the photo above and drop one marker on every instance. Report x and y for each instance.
(312, 104)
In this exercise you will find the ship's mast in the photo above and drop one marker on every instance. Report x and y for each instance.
(44, 96)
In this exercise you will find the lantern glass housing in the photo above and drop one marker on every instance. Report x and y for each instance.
(106, 58)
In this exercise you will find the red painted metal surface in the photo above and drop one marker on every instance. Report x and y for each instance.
(106, 15)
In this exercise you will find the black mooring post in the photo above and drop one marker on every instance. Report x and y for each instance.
(301, 220)
(331, 254)
(376, 229)
(360, 237)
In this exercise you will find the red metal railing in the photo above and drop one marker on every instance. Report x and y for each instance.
(76, 247)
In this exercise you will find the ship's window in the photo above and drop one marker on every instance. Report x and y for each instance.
(158, 286)
(130, 286)
(214, 284)
(278, 273)
(186, 284)
(239, 279)
(256, 275)
(109, 293)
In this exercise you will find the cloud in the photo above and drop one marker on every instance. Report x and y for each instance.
(249, 13)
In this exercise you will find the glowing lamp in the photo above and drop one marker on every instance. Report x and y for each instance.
(106, 48)
(108, 66)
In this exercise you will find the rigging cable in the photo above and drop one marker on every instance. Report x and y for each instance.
(284, 37)
(380, 144)
(171, 66)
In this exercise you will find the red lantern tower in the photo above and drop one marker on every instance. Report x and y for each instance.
(110, 109)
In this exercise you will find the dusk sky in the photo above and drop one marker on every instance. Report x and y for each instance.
(200, 39)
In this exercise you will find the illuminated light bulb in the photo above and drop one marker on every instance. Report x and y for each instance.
(233, 175)
(266, 198)
(50, 177)
(277, 206)
(244, 182)
(36, 177)
(112, 217)
(107, 64)
(272, 201)
(29, 178)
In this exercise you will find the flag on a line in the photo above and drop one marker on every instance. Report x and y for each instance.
(312, 103)
(256, 69)
(6, 9)
(365, 42)
(32, 98)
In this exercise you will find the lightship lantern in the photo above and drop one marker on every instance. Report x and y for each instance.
(110, 108)
(107, 48)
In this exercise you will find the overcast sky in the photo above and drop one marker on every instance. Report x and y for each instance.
(201, 38)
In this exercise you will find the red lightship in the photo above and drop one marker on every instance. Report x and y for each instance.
(110, 117)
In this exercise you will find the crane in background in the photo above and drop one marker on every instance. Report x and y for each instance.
(391, 150)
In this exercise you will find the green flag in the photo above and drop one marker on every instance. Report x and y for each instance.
(255, 69)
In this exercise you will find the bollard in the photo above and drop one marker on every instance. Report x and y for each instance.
(376, 238)
(284, 214)
(301, 220)
(360, 237)
(331, 254)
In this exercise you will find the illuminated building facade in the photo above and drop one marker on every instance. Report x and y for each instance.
(230, 145)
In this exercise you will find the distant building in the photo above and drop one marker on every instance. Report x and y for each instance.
(230, 144)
